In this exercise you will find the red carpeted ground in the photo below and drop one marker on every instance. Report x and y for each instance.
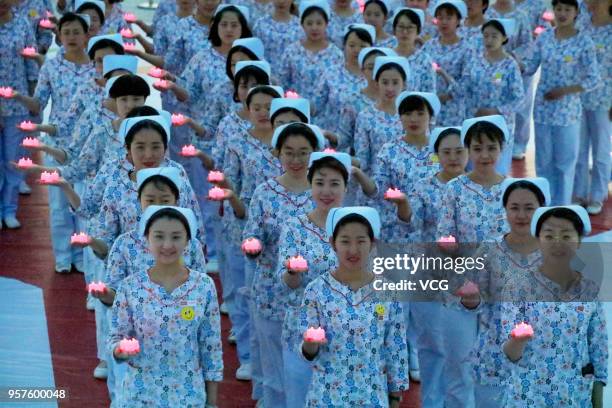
(26, 255)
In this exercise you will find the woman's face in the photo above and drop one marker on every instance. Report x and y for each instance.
(475, 7)
(94, 22)
(282, 5)
(492, 38)
(314, 26)
(352, 47)
(565, 15)
(447, 22)
(147, 149)
(128, 102)
(353, 246)
(328, 188)
(185, 5)
(452, 154)
(558, 239)
(244, 86)
(484, 153)
(207, 7)
(236, 58)
(73, 37)
(230, 28)
(390, 85)
(405, 31)
(285, 118)
(259, 111)
(416, 122)
(167, 240)
(368, 68)
(294, 155)
(99, 58)
(418, 4)
(159, 194)
(374, 15)
(520, 207)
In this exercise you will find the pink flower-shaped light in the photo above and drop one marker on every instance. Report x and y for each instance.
(6, 92)
(28, 52)
(329, 150)
(129, 346)
(291, 94)
(49, 177)
(393, 193)
(126, 33)
(251, 246)
(25, 163)
(30, 142)
(188, 151)
(522, 331)
(96, 286)
(548, 16)
(539, 30)
(156, 72)
(48, 14)
(46, 23)
(469, 288)
(298, 264)
(435, 66)
(129, 46)
(216, 194)
(80, 238)
(361, 4)
(434, 21)
(161, 84)
(447, 240)
(215, 176)
(129, 17)
(315, 335)
(178, 119)
(27, 126)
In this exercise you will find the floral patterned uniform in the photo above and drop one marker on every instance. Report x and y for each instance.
(257, 10)
(88, 97)
(564, 62)
(130, 254)
(472, 213)
(275, 35)
(341, 86)
(498, 84)
(270, 209)
(164, 8)
(221, 103)
(349, 111)
(570, 332)
(34, 11)
(453, 59)
(426, 202)
(59, 80)
(337, 27)
(520, 43)
(114, 22)
(302, 70)
(300, 236)
(422, 75)
(366, 355)
(230, 126)
(601, 97)
(373, 129)
(192, 37)
(180, 340)
(534, 10)
(473, 35)
(16, 71)
(166, 33)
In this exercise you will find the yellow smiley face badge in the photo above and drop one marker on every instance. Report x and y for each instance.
(434, 158)
(380, 310)
(187, 313)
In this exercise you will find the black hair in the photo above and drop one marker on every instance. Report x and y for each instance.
(328, 162)
(261, 78)
(299, 114)
(168, 213)
(382, 5)
(312, 10)
(411, 15)
(449, 8)
(498, 26)
(561, 212)
(443, 135)
(524, 185)
(146, 125)
(159, 181)
(573, 3)
(297, 129)
(478, 129)
(94, 7)
(213, 35)
(388, 66)
(129, 84)
(348, 219)
(375, 52)
(105, 43)
(362, 34)
(414, 103)
(69, 17)
(262, 89)
(143, 110)
(114, 1)
(232, 51)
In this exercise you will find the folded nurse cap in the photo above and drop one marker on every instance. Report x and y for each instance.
(164, 119)
(539, 182)
(431, 98)
(252, 44)
(241, 9)
(153, 209)
(299, 104)
(370, 29)
(296, 126)
(578, 210)
(509, 25)
(124, 62)
(496, 120)
(116, 38)
(99, 4)
(381, 62)
(343, 158)
(419, 13)
(171, 173)
(363, 54)
(437, 132)
(307, 4)
(262, 65)
(336, 214)
(457, 4)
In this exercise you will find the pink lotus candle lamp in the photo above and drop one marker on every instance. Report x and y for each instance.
(329, 150)
(539, 30)
(27, 126)
(6, 92)
(126, 33)
(548, 16)
(251, 246)
(48, 14)
(216, 194)
(448, 243)
(297, 264)
(393, 193)
(435, 66)
(178, 119)
(469, 288)
(25, 163)
(215, 176)
(161, 84)
(522, 331)
(315, 335)
(434, 21)
(188, 151)
(30, 142)
(129, 46)
(361, 4)
(97, 287)
(46, 23)
(80, 238)
(291, 95)
(129, 17)
(28, 52)
(129, 346)
(49, 177)
(156, 72)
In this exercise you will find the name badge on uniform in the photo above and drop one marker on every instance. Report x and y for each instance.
(568, 58)
(33, 13)
(380, 311)
(434, 158)
(497, 79)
